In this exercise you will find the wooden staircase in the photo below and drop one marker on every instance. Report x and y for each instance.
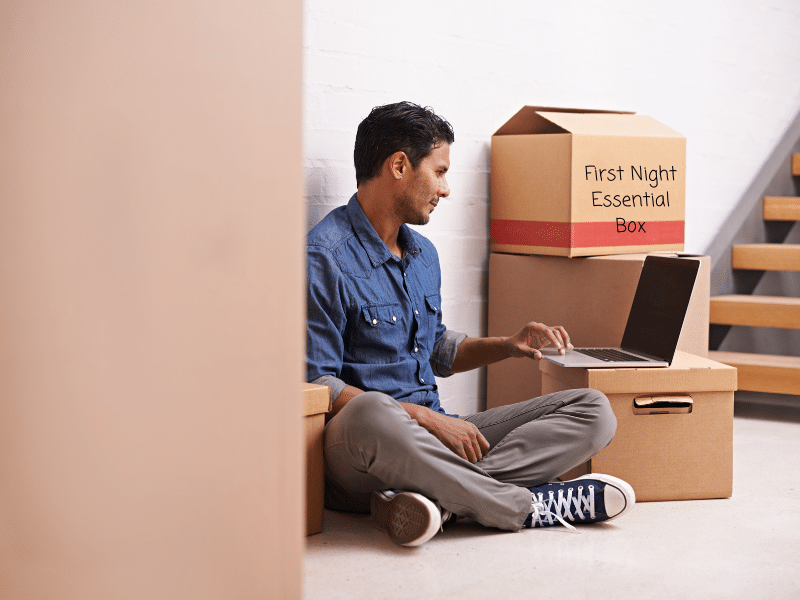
(761, 372)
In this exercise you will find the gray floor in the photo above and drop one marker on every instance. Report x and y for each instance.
(747, 546)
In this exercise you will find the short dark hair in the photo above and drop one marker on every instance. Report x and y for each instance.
(399, 127)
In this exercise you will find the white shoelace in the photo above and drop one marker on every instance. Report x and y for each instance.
(560, 507)
(446, 514)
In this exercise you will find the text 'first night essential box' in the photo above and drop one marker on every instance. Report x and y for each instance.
(574, 182)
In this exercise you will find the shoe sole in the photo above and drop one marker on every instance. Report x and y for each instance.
(410, 519)
(623, 486)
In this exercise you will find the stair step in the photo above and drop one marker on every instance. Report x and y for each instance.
(763, 372)
(796, 164)
(755, 311)
(767, 257)
(782, 208)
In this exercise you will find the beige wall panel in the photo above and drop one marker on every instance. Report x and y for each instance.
(151, 306)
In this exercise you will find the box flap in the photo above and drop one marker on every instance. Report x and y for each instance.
(609, 124)
(688, 373)
(316, 399)
(528, 120)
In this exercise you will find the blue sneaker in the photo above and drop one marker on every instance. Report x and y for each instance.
(410, 519)
(587, 499)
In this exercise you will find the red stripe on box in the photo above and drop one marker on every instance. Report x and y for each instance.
(585, 235)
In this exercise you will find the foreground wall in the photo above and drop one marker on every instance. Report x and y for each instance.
(724, 74)
(150, 340)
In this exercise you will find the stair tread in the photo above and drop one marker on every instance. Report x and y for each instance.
(745, 299)
(782, 208)
(768, 373)
(748, 358)
(755, 311)
(766, 257)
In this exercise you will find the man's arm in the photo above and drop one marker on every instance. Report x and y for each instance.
(479, 352)
(462, 437)
(348, 393)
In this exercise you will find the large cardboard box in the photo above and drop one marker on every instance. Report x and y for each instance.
(576, 182)
(678, 448)
(316, 402)
(590, 296)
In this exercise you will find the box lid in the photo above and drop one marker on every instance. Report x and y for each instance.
(316, 399)
(688, 373)
(541, 120)
(529, 120)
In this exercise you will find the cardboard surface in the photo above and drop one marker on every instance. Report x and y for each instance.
(589, 296)
(681, 451)
(316, 402)
(576, 182)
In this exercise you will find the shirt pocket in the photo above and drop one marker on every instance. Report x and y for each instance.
(433, 306)
(382, 333)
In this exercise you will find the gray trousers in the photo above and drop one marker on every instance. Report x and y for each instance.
(372, 444)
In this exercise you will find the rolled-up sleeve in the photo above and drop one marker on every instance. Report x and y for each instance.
(444, 352)
(335, 384)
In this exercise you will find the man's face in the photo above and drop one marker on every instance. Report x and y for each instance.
(426, 184)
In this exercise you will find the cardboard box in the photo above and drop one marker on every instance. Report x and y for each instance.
(590, 297)
(680, 451)
(316, 402)
(575, 182)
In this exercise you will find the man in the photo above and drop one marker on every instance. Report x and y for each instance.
(376, 337)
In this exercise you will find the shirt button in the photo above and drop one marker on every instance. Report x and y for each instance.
(394, 318)
(374, 321)
(421, 380)
(416, 312)
(415, 348)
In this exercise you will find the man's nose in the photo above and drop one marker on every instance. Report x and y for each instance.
(444, 191)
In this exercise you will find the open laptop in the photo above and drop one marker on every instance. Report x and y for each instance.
(654, 322)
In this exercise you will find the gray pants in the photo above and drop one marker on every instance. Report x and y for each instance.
(372, 444)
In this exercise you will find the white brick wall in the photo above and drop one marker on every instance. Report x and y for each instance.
(724, 74)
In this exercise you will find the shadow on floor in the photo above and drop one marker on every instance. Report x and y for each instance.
(768, 407)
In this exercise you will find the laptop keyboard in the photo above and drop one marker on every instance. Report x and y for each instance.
(609, 354)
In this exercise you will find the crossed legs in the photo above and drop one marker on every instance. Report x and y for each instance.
(372, 444)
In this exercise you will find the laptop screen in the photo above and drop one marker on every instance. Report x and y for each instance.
(659, 305)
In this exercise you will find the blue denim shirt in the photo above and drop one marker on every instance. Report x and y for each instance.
(375, 320)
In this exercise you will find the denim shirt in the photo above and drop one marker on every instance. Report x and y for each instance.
(375, 320)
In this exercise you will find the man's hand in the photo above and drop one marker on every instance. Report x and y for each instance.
(462, 437)
(528, 340)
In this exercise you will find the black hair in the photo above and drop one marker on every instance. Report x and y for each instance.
(399, 127)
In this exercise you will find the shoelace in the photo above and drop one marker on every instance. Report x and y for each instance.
(446, 514)
(561, 507)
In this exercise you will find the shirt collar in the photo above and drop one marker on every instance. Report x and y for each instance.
(376, 249)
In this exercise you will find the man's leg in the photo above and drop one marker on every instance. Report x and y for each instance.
(535, 441)
(372, 444)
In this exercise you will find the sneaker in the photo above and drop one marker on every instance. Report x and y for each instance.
(587, 499)
(410, 519)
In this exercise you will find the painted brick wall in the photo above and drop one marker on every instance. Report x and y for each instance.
(724, 74)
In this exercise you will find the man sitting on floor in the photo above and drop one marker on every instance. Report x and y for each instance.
(376, 338)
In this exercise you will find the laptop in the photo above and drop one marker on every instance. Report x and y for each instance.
(654, 322)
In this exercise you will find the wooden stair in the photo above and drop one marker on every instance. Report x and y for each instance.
(782, 208)
(756, 311)
(767, 257)
(761, 372)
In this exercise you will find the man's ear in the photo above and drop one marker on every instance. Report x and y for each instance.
(399, 165)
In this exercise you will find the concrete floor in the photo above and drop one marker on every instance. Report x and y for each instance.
(747, 546)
